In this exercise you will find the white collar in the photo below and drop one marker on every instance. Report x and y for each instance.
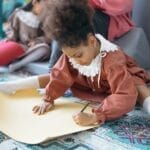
(28, 18)
(105, 44)
(95, 66)
(90, 70)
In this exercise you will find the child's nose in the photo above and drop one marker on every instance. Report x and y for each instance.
(77, 61)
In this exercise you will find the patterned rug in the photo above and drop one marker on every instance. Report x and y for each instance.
(131, 132)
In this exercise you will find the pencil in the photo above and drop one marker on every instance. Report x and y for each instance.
(84, 107)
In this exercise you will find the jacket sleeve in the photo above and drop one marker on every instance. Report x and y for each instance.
(113, 7)
(62, 77)
(123, 97)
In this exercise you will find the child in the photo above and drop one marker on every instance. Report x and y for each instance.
(95, 69)
(25, 39)
(111, 18)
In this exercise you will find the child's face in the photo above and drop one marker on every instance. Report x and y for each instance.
(37, 6)
(84, 53)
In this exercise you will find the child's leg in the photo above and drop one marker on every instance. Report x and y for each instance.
(29, 82)
(12, 86)
(33, 56)
(144, 97)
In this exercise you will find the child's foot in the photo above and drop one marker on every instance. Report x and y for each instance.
(146, 105)
(7, 88)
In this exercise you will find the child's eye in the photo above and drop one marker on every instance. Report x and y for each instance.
(79, 55)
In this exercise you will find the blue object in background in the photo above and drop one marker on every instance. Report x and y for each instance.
(1, 30)
(9, 6)
(6, 8)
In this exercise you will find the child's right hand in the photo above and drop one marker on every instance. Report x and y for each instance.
(42, 108)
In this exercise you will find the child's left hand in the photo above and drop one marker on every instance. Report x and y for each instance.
(85, 119)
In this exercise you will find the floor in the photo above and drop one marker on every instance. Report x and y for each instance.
(131, 132)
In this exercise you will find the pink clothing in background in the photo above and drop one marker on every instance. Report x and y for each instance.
(119, 12)
(9, 51)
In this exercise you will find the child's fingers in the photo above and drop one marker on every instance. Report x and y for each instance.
(39, 111)
(76, 114)
(48, 108)
(36, 109)
(43, 110)
(76, 119)
(77, 122)
(83, 119)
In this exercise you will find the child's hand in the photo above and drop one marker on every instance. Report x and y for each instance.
(32, 43)
(85, 119)
(42, 108)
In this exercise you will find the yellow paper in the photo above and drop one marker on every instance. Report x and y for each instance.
(18, 121)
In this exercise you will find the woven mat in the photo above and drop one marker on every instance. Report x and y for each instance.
(131, 132)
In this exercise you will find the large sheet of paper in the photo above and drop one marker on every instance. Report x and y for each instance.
(18, 121)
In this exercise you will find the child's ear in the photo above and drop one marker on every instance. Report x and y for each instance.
(92, 41)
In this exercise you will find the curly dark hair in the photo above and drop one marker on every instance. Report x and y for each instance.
(68, 21)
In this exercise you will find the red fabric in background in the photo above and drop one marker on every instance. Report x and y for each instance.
(9, 51)
(119, 12)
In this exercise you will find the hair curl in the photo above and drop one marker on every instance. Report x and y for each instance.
(68, 21)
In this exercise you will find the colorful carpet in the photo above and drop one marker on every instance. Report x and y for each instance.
(131, 132)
